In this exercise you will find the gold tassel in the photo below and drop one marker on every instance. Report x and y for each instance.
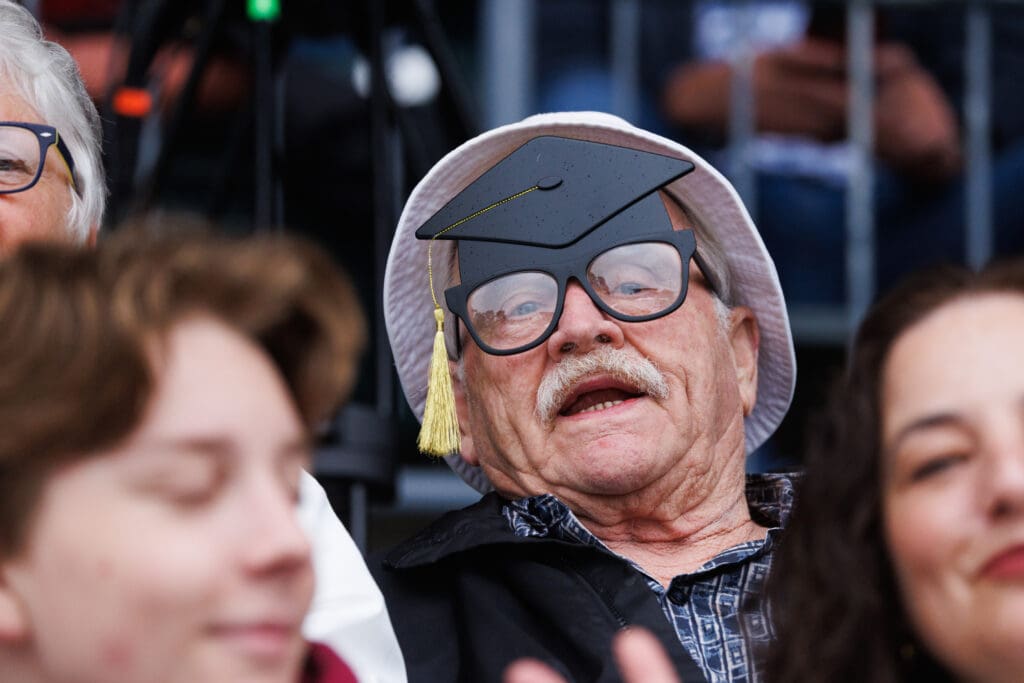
(439, 434)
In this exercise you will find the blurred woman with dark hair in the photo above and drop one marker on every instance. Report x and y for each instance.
(905, 557)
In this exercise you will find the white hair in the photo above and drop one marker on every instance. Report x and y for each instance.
(712, 252)
(43, 74)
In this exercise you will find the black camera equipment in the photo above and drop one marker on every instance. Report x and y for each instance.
(359, 450)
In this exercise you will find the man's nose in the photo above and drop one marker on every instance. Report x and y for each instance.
(583, 326)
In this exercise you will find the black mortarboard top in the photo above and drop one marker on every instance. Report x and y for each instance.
(552, 191)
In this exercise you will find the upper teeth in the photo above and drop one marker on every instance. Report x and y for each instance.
(600, 406)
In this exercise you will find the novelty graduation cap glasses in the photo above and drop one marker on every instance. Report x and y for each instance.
(557, 209)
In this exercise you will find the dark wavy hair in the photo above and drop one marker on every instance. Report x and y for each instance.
(837, 611)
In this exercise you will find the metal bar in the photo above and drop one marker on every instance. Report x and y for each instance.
(437, 44)
(977, 116)
(742, 115)
(358, 515)
(625, 53)
(263, 113)
(388, 398)
(279, 143)
(384, 189)
(508, 49)
(424, 489)
(145, 196)
(860, 228)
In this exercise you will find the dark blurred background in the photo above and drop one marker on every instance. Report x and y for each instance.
(319, 116)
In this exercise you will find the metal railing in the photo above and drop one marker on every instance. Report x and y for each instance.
(508, 43)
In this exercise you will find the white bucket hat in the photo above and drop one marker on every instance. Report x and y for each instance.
(707, 195)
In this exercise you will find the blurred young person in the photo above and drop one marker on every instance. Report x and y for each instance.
(158, 398)
(52, 189)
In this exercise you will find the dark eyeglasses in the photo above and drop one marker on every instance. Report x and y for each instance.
(23, 149)
(639, 280)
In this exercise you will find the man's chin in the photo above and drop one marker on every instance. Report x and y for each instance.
(607, 471)
(568, 485)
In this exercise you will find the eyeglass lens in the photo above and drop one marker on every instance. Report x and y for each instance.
(636, 280)
(20, 158)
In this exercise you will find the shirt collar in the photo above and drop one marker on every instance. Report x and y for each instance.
(769, 497)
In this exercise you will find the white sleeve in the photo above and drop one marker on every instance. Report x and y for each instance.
(348, 612)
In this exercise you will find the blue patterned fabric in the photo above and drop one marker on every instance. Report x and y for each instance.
(712, 610)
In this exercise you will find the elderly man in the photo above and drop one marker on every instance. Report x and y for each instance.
(618, 343)
(52, 188)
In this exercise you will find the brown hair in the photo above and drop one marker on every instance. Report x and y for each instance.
(833, 594)
(80, 329)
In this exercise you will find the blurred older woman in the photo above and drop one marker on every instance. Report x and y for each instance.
(905, 560)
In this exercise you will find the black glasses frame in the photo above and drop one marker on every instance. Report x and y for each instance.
(47, 137)
(684, 241)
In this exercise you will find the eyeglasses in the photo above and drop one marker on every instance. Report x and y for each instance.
(23, 149)
(636, 281)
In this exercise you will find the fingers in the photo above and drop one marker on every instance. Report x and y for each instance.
(532, 671)
(824, 58)
(915, 128)
(641, 658)
(893, 59)
(821, 58)
(639, 655)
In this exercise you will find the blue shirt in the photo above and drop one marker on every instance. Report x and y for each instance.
(712, 609)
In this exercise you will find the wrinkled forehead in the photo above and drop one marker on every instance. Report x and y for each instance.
(479, 260)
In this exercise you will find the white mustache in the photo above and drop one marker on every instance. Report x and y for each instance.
(557, 385)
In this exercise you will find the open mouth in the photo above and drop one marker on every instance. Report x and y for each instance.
(593, 397)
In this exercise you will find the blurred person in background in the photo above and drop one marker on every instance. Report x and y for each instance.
(801, 158)
(51, 174)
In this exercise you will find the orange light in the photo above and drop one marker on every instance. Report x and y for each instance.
(132, 102)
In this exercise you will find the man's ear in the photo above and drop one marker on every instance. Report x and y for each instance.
(13, 622)
(745, 338)
(94, 233)
(466, 449)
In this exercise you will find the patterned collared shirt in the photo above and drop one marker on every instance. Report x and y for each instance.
(714, 609)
